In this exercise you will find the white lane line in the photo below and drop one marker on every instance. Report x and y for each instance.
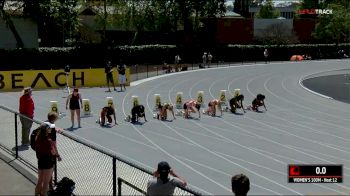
(287, 133)
(167, 137)
(282, 173)
(135, 83)
(241, 146)
(224, 158)
(322, 105)
(199, 133)
(225, 173)
(92, 125)
(302, 78)
(296, 124)
(166, 152)
(304, 107)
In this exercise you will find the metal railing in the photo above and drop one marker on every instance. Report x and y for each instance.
(95, 170)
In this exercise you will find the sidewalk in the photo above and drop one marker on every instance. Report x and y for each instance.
(12, 182)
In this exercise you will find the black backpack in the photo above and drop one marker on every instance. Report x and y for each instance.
(65, 187)
(33, 137)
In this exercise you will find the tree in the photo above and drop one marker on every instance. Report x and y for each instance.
(57, 20)
(6, 17)
(334, 27)
(163, 16)
(267, 11)
(242, 7)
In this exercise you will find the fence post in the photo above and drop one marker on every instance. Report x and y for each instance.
(115, 179)
(55, 172)
(16, 136)
(147, 70)
(137, 73)
(119, 186)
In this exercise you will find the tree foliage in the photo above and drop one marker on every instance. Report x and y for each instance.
(267, 11)
(334, 28)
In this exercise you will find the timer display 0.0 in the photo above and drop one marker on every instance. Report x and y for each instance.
(315, 173)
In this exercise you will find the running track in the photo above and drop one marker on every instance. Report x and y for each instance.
(299, 127)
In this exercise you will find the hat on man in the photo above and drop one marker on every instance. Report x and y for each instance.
(27, 90)
(163, 167)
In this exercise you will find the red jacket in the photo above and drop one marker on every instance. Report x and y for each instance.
(26, 106)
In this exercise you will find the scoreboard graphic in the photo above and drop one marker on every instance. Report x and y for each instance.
(315, 173)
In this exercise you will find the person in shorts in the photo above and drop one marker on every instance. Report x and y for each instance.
(257, 102)
(75, 103)
(122, 77)
(191, 106)
(106, 113)
(213, 105)
(237, 102)
(46, 155)
(109, 75)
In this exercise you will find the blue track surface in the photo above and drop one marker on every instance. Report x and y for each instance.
(299, 127)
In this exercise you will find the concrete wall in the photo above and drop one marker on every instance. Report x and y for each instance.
(261, 24)
(26, 28)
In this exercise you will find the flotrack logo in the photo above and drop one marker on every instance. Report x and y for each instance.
(315, 11)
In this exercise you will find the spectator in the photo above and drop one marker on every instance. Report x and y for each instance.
(52, 117)
(26, 108)
(73, 99)
(46, 155)
(240, 185)
(107, 112)
(204, 59)
(163, 183)
(266, 55)
(177, 63)
(122, 78)
(109, 75)
(210, 57)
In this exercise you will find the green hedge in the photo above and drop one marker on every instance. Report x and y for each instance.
(84, 57)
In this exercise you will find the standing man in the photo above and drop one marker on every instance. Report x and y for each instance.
(109, 75)
(177, 63)
(266, 55)
(163, 183)
(26, 108)
(122, 78)
(205, 59)
(210, 57)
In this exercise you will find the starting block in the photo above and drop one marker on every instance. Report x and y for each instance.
(178, 103)
(223, 100)
(109, 101)
(87, 107)
(54, 106)
(135, 100)
(157, 102)
(200, 98)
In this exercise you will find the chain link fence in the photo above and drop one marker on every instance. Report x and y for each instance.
(95, 170)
